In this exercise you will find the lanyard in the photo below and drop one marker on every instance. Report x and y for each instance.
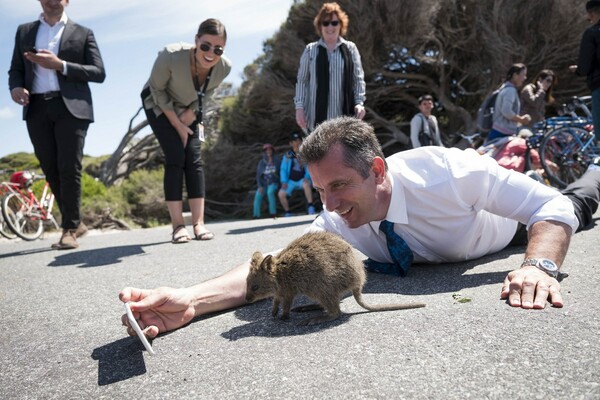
(202, 92)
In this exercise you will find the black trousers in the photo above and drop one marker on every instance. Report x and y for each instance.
(58, 139)
(180, 162)
(584, 193)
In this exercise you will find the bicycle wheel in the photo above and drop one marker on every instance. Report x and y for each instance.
(20, 219)
(562, 157)
(5, 229)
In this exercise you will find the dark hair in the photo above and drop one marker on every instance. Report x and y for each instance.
(212, 26)
(357, 138)
(543, 74)
(592, 5)
(515, 69)
(425, 97)
(326, 12)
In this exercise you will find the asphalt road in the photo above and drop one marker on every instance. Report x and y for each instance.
(61, 336)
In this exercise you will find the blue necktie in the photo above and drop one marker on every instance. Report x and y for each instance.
(399, 250)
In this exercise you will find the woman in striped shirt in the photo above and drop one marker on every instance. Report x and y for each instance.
(330, 78)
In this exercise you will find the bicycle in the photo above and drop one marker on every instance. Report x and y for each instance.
(24, 214)
(566, 152)
(568, 147)
(5, 189)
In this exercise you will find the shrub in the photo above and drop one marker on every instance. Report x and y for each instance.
(143, 191)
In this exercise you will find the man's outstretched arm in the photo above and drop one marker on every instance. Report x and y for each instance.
(165, 309)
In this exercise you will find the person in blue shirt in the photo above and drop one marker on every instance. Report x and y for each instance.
(294, 176)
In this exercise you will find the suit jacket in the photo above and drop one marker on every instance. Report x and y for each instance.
(84, 64)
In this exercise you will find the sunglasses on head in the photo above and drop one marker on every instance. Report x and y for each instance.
(218, 50)
(333, 23)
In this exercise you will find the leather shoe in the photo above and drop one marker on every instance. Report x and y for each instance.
(81, 230)
(67, 241)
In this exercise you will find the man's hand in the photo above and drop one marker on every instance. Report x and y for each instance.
(529, 287)
(46, 59)
(20, 96)
(158, 310)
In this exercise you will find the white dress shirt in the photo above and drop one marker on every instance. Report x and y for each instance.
(451, 205)
(48, 38)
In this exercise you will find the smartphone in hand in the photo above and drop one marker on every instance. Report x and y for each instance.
(138, 330)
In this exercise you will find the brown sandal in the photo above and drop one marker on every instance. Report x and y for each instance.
(208, 235)
(180, 239)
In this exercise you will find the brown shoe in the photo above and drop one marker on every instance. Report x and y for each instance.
(81, 230)
(67, 241)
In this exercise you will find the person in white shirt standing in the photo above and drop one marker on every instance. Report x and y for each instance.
(448, 205)
(424, 130)
(53, 61)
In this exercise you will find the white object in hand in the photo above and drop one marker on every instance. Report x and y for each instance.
(138, 330)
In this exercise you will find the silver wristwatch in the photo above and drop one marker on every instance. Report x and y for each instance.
(548, 266)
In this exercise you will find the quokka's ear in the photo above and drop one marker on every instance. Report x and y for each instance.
(257, 258)
(267, 263)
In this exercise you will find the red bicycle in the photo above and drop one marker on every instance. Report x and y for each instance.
(5, 189)
(23, 213)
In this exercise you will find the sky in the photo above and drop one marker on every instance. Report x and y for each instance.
(129, 34)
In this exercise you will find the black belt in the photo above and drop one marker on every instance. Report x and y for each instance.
(46, 95)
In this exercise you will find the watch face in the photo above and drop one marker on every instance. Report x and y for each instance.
(548, 265)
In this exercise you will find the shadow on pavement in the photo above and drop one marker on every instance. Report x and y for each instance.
(265, 227)
(25, 252)
(264, 325)
(99, 257)
(119, 360)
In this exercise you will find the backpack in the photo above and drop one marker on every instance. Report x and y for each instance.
(485, 114)
(424, 138)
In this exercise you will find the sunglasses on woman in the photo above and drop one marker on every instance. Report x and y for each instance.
(218, 50)
(333, 23)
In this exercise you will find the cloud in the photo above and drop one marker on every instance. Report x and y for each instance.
(7, 113)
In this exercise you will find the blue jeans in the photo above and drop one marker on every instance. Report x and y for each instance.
(596, 112)
(258, 198)
(493, 135)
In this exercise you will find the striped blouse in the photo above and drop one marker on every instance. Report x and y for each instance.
(306, 85)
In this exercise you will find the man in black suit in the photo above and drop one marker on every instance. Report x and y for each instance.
(53, 61)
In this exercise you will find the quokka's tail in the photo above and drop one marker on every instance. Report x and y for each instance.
(384, 307)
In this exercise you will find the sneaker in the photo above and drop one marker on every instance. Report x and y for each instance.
(288, 214)
(311, 210)
(67, 241)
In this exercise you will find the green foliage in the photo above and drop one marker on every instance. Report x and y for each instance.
(143, 191)
(92, 165)
(91, 187)
(18, 162)
(139, 200)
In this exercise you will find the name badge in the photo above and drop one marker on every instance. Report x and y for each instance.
(201, 132)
